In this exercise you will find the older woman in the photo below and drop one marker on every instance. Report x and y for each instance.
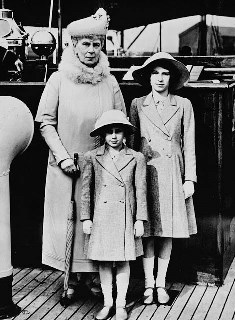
(166, 138)
(74, 98)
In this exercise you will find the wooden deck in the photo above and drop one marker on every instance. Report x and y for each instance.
(37, 292)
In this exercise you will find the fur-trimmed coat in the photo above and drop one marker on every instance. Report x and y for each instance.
(168, 144)
(74, 97)
(114, 197)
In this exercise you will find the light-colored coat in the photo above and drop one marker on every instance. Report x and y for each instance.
(114, 197)
(68, 110)
(168, 144)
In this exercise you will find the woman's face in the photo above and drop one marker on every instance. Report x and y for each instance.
(88, 50)
(114, 137)
(159, 80)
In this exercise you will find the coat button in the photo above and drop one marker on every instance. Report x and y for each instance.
(169, 155)
(105, 201)
(121, 201)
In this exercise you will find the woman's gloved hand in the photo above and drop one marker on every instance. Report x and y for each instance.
(139, 228)
(87, 226)
(188, 187)
(68, 166)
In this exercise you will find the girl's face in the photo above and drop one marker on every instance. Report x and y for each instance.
(114, 137)
(88, 50)
(159, 80)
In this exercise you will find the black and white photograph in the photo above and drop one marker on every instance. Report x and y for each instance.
(117, 160)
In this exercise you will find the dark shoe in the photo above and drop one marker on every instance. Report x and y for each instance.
(104, 313)
(148, 296)
(162, 295)
(96, 290)
(9, 311)
(121, 313)
(68, 297)
(94, 287)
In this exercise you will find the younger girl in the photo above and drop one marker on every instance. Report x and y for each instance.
(114, 207)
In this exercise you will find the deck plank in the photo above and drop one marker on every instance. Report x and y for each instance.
(25, 281)
(205, 303)
(37, 292)
(16, 270)
(221, 296)
(30, 301)
(70, 310)
(84, 310)
(36, 282)
(20, 275)
(192, 303)
(44, 308)
(181, 301)
(37, 306)
(228, 310)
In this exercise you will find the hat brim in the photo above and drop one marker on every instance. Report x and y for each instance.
(179, 72)
(128, 129)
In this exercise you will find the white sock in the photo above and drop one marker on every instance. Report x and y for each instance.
(161, 272)
(106, 282)
(148, 265)
(107, 290)
(122, 280)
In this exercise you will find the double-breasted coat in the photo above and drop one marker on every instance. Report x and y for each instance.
(73, 99)
(114, 197)
(167, 141)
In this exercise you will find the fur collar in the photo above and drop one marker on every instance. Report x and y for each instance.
(77, 72)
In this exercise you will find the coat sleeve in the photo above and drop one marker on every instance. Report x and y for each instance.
(87, 196)
(118, 97)
(47, 116)
(189, 142)
(141, 188)
(134, 139)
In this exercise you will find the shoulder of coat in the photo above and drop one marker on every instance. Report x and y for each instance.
(137, 102)
(136, 154)
(182, 100)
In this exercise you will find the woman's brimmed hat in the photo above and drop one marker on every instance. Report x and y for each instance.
(96, 24)
(112, 117)
(178, 72)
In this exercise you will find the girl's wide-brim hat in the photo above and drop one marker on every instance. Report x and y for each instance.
(109, 118)
(178, 72)
(96, 24)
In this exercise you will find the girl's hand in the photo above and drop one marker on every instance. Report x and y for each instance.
(87, 226)
(68, 166)
(139, 228)
(188, 187)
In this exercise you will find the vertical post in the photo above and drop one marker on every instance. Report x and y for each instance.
(202, 45)
(160, 36)
(122, 38)
(59, 32)
(3, 4)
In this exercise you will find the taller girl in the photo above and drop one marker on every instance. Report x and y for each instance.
(167, 140)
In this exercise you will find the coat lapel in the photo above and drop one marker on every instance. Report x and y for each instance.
(151, 113)
(104, 159)
(158, 120)
(124, 158)
(169, 110)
